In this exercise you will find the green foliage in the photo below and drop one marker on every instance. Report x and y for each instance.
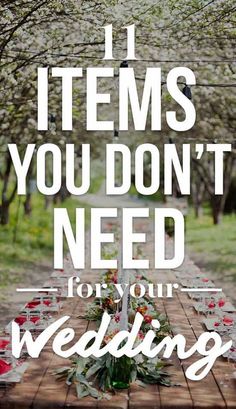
(102, 374)
(213, 245)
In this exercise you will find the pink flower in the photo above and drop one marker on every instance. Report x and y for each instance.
(141, 335)
(4, 367)
(4, 343)
(221, 303)
(47, 303)
(228, 321)
(205, 280)
(211, 305)
(32, 304)
(22, 319)
(34, 319)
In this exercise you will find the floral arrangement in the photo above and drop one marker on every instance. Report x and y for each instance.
(95, 377)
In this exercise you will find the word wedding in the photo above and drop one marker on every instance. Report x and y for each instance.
(116, 346)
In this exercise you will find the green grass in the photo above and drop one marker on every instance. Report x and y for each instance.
(34, 239)
(214, 246)
(156, 197)
(96, 184)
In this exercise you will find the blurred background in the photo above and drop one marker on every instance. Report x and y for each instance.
(198, 34)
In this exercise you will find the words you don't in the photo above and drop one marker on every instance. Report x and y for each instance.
(168, 162)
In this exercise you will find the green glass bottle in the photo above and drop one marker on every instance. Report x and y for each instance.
(121, 369)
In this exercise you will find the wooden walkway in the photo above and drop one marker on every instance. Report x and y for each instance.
(40, 389)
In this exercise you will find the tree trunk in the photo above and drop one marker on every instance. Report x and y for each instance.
(217, 205)
(198, 189)
(27, 205)
(198, 211)
(217, 216)
(4, 213)
(4, 208)
(47, 201)
(217, 202)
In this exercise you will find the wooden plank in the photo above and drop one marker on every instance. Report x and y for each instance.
(180, 394)
(80, 326)
(212, 395)
(148, 397)
(51, 394)
(119, 401)
(72, 400)
(21, 396)
(222, 371)
(226, 382)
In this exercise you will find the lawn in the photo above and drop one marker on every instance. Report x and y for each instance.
(96, 184)
(213, 246)
(33, 245)
(34, 239)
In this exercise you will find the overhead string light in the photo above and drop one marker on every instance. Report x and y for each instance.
(187, 91)
(124, 64)
(52, 118)
(116, 134)
(52, 123)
